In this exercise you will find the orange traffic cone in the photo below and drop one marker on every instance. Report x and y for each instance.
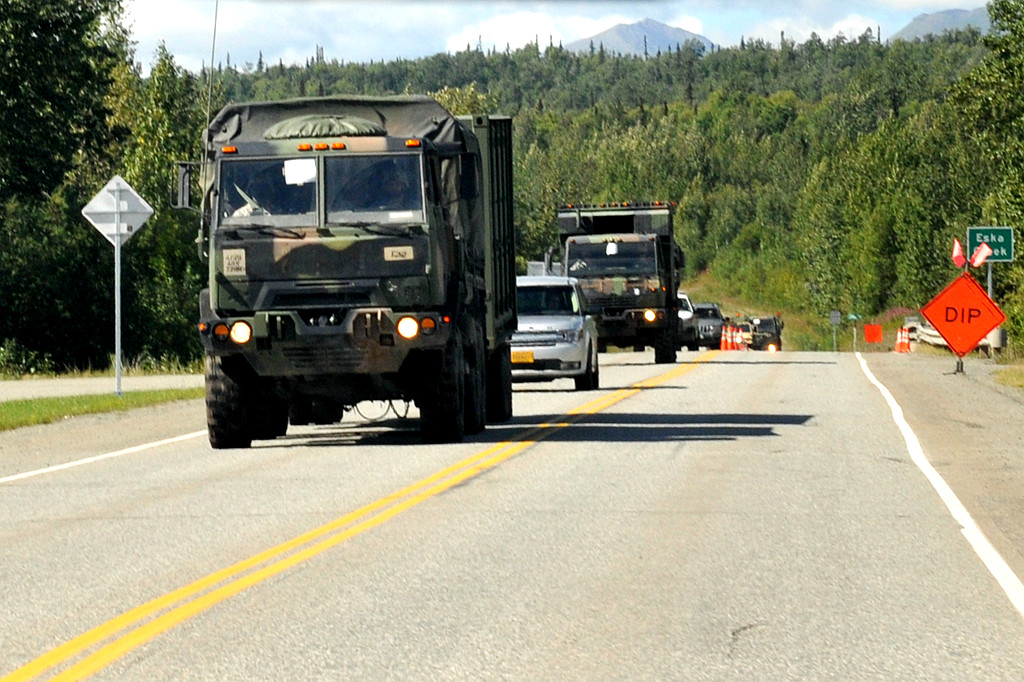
(903, 340)
(723, 344)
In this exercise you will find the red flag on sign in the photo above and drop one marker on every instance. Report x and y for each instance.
(958, 254)
(980, 255)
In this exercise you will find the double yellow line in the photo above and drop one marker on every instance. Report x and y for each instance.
(143, 623)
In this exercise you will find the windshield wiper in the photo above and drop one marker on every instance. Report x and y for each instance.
(272, 231)
(386, 229)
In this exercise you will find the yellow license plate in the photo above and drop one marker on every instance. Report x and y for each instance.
(522, 357)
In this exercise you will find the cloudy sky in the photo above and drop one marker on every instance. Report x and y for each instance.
(350, 31)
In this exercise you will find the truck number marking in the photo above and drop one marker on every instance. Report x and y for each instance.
(393, 253)
(234, 262)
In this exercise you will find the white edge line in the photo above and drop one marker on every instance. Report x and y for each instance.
(98, 458)
(988, 554)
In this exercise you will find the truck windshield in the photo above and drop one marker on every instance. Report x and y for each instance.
(611, 258)
(379, 188)
(270, 192)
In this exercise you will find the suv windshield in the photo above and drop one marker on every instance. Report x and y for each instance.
(553, 300)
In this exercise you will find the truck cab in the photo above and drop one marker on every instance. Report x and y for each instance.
(627, 261)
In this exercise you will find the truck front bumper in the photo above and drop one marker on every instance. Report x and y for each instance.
(631, 325)
(290, 344)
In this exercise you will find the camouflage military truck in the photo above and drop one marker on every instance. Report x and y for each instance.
(628, 263)
(359, 249)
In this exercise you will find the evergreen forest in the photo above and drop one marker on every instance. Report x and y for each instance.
(828, 174)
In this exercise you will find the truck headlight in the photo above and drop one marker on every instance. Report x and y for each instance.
(241, 333)
(408, 328)
(650, 315)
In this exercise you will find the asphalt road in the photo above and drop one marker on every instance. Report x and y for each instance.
(737, 516)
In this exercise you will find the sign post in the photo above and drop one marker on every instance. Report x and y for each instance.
(117, 212)
(963, 314)
(836, 318)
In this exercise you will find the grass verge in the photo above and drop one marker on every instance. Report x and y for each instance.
(1012, 375)
(18, 413)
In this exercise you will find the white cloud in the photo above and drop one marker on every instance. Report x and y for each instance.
(799, 29)
(929, 5)
(518, 29)
(687, 23)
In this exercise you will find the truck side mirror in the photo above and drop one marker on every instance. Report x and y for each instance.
(183, 197)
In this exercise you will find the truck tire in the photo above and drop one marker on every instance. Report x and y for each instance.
(590, 380)
(499, 385)
(268, 417)
(476, 381)
(300, 411)
(227, 416)
(442, 411)
(664, 350)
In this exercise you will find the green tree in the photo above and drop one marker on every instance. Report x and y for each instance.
(992, 112)
(54, 76)
(162, 264)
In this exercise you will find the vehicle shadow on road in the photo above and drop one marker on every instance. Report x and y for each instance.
(638, 427)
(753, 360)
(599, 428)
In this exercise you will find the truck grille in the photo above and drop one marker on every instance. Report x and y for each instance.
(296, 300)
(326, 360)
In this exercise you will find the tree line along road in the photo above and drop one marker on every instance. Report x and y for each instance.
(733, 516)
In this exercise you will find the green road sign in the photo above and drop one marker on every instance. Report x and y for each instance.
(999, 238)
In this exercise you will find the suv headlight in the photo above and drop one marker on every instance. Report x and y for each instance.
(572, 335)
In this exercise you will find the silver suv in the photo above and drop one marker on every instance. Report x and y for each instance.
(555, 337)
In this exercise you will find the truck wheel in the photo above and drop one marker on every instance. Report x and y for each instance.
(227, 421)
(268, 417)
(476, 382)
(664, 350)
(443, 412)
(590, 380)
(499, 385)
(300, 411)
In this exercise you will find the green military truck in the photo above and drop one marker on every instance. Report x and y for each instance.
(359, 249)
(628, 263)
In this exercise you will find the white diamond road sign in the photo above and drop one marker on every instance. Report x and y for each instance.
(117, 210)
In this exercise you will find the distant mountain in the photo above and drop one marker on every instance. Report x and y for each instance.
(937, 22)
(630, 39)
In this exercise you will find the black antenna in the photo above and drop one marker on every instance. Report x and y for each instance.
(213, 52)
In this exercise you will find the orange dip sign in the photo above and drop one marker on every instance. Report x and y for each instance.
(963, 314)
